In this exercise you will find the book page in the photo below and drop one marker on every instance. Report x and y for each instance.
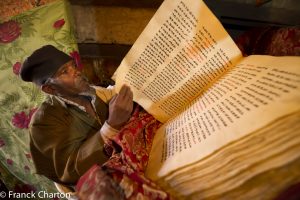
(183, 49)
(257, 91)
(237, 160)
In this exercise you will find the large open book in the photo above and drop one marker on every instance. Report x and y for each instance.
(231, 123)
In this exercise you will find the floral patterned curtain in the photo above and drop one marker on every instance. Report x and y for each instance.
(20, 35)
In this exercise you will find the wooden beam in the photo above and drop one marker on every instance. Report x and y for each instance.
(94, 50)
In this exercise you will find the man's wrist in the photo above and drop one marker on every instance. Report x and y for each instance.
(115, 126)
(108, 132)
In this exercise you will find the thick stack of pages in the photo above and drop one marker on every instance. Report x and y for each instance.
(257, 166)
(231, 123)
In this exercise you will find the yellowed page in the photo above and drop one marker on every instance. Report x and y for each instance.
(183, 49)
(257, 91)
(271, 147)
(237, 157)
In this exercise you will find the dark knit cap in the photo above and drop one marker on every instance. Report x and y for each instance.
(42, 64)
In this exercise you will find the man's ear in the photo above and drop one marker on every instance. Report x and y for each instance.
(48, 89)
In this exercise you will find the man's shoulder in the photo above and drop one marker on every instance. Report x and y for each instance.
(50, 108)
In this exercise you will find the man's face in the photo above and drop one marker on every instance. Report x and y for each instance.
(69, 81)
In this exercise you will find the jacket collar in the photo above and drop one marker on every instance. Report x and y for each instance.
(64, 101)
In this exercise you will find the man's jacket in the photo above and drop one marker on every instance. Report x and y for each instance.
(63, 140)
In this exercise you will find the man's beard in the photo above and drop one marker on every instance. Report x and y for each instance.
(88, 91)
(82, 83)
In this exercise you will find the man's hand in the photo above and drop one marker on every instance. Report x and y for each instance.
(120, 108)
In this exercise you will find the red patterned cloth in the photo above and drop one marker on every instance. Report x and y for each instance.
(122, 176)
(270, 41)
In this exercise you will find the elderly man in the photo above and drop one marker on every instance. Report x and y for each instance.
(68, 131)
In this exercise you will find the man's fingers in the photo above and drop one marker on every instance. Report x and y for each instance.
(124, 89)
(128, 100)
(129, 95)
(113, 99)
(121, 107)
(125, 93)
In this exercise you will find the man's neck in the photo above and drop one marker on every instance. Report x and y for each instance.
(84, 101)
(81, 99)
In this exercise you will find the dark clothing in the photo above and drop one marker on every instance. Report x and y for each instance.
(65, 141)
